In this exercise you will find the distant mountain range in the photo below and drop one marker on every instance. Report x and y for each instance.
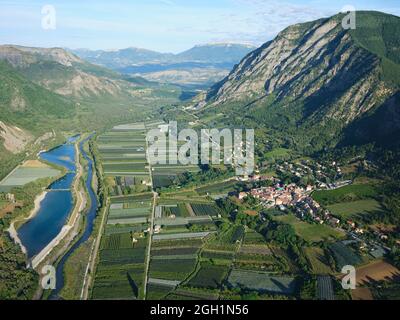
(42, 90)
(201, 65)
(318, 84)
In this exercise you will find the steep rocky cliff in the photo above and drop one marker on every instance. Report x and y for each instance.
(316, 74)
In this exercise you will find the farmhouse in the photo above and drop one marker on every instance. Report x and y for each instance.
(10, 197)
(242, 195)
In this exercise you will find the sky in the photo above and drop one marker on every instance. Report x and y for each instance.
(161, 25)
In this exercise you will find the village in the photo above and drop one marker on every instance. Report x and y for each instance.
(293, 197)
(297, 198)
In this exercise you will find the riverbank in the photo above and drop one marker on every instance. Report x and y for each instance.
(79, 206)
(12, 230)
(72, 267)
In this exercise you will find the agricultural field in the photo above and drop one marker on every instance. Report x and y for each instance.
(311, 232)
(191, 294)
(252, 237)
(156, 291)
(261, 258)
(218, 188)
(343, 255)
(132, 199)
(130, 213)
(123, 154)
(255, 249)
(278, 153)
(378, 270)
(356, 209)
(222, 242)
(204, 209)
(260, 263)
(185, 216)
(165, 176)
(163, 180)
(218, 255)
(120, 273)
(176, 236)
(261, 282)
(191, 274)
(209, 276)
(173, 260)
(27, 173)
(172, 269)
(345, 194)
(318, 260)
(178, 210)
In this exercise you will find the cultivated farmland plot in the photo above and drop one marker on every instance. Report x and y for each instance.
(181, 236)
(157, 291)
(121, 268)
(177, 269)
(118, 229)
(130, 126)
(163, 180)
(182, 243)
(121, 167)
(252, 237)
(344, 255)
(175, 257)
(204, 209)
(217, 255)
(180, 211)
(218, 188)
(154, 124)
(175, 251)
(261, 282)
(22, 176)
(122, 145)
(255, 249)
(168, 283)
(182, 294)
(145, 197)
(129, 213)
(318, 260)
(179, 221)
(209, 276)
(127, 221)
(122, 256)
(118, 281)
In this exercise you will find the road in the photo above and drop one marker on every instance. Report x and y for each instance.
(92, 259)
(151, 230)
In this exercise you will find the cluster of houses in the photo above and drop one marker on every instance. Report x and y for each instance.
(322, 173)
(279, 195)
(295, 197)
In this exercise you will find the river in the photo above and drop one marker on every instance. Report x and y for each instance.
(56, 206)
(89, 224)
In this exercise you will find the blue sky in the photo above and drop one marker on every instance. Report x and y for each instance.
(163, 25)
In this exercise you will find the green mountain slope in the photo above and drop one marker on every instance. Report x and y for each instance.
(314, 82)
(63, 72)
(45, 92)
(28, 105)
